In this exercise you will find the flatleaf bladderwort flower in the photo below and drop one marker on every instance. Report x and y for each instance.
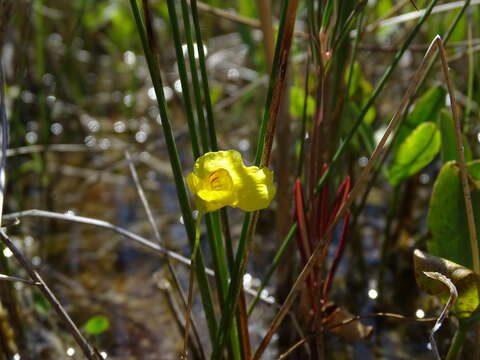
(221, 179)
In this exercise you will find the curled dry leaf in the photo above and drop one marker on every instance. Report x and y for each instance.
(465, 281)
(352, 329)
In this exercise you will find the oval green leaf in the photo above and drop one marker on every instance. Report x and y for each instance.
(97, 325)
(447, 218)
(417, 151)
(427, 108)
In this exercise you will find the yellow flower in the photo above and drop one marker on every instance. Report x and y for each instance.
(221, 179)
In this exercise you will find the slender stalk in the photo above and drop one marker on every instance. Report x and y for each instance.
(188, 311)
(265, 14)
(204, 75)
(194, 76)
(170, 300)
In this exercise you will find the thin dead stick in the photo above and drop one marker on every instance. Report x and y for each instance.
(166, 290)
(89, 351)
(381, 315)
(103, 224)
(143, 198)
(15, 278)
(265, 13)
(417, 14)
(461, 159)
(222, 104)
(446, 310)
(30, 149)
(156, 232)
(293, 348)
(356, 318)
(319, 251)
(228, 15)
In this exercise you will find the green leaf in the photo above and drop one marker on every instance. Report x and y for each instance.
(97, 325)
(449, 142)
(417, 151)
(447, 218)
(465, 280)
(427, 108)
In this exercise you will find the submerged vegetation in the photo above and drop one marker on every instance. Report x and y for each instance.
(239, 179)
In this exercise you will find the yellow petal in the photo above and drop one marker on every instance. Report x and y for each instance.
(216, 191)
(212, 161)
(221, 179)
(256, 189)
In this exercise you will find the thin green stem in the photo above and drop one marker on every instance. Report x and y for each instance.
(177, 40)
(194, 75)
(203, 72)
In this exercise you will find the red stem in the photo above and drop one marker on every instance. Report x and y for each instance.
(302, 237)
(337, 258)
